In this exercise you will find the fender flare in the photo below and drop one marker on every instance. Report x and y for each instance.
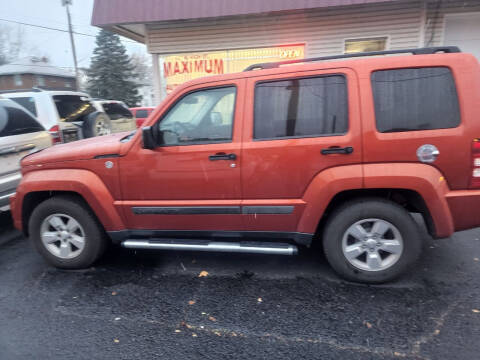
(426, 180)
(83, 182)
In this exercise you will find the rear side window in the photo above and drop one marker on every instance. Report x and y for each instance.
(27, 102)
(307, 107)
(415, 99)
(141, 114)
(15, 121)
(117, 111)
(73, 107)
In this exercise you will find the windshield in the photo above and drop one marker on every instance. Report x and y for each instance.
(73, 107)
(117, 110)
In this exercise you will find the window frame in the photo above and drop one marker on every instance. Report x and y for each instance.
(156, 126)
(452, 73)
(344, 75)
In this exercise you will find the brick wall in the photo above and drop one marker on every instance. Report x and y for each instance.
(7, 82)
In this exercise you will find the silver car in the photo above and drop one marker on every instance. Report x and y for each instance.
(20, 134)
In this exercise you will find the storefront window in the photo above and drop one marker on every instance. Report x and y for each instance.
(365, 45)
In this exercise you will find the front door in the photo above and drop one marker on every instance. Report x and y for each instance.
(192, 180)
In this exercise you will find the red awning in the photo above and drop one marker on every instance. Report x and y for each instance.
(115, 12)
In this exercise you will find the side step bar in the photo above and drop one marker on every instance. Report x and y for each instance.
(203, 245)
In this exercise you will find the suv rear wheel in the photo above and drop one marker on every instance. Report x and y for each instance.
(66, 233)
(371, 240)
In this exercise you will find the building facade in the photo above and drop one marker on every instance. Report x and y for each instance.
(195, 38)
(35, 72)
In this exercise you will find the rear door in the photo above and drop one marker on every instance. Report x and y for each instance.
(412, 111)
(20, 134)
(298, 125)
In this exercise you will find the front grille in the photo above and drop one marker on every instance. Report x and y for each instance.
(69, 135)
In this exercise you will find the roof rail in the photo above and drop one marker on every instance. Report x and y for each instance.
(418, 51)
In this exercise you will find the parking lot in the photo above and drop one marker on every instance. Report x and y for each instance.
(174, 305)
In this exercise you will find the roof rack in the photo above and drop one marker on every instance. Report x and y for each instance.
(418, 51)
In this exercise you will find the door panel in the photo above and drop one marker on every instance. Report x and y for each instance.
(180, 187)
(278, 171)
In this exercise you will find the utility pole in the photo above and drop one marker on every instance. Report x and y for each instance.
(66, 3)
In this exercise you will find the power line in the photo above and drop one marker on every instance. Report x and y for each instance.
(56, 29)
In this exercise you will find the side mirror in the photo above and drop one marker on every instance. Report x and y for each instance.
(147, 137)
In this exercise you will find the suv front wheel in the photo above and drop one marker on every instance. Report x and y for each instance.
(371, 240)
(66, 233)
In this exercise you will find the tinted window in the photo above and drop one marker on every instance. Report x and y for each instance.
(415, 99)
(72, 107)
(117, 111)
(141, 114)
(301, 107)
(27, 102)
(202, 116)
(15, 121)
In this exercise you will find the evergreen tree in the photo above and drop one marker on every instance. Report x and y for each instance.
(111, 73)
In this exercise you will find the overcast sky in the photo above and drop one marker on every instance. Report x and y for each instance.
(55, 44)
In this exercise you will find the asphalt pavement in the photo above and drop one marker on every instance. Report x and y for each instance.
(184, 305)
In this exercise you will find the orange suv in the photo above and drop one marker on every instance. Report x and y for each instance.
(263, 161)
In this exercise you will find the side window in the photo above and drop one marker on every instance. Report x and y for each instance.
(415, 99)
(307, 107)
(117, 111)
(27, 102)
(204, 116)
(15, 121)
(141, 114)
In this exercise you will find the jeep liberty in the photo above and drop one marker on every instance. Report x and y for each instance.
(279, 156)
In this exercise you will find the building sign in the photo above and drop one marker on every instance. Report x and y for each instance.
(178, 69)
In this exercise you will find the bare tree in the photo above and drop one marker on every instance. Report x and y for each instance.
(11, 43)
(142, 69)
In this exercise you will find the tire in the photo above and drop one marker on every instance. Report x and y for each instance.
(373, 258)
(82, 253)
(96, 124)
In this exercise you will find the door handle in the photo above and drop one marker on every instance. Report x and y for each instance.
(337, 150)
(222, 156)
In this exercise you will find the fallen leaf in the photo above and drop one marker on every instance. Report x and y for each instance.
(194, 335)
(204, 313)
(217, 333)
(114, 293)
(203, 273)
(476, 259)
(178, 331)
(191, 302)
(211, 318)
(116, 341)
(437, 332)
(396, 353)
(117, 318)
(476, 311)
(259, 300)
(367, 324)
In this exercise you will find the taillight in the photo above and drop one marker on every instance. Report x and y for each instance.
(55, 133)
(475, 180)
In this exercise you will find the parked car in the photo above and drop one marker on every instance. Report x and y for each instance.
(67, 115)
(20, 134)
(141, 114)
(121, 117)
(267, 160)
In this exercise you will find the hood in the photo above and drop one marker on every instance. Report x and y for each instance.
(77, 150)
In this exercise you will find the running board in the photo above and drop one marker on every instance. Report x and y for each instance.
(202, 245)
